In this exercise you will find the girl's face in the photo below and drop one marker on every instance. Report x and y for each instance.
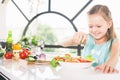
(98, 27)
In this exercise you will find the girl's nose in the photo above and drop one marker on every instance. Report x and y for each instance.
(94, 29)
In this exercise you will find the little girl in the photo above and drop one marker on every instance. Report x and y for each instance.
(101, 42)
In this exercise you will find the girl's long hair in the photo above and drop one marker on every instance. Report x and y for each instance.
(106, 14)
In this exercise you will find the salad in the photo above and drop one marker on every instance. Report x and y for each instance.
(68, 58)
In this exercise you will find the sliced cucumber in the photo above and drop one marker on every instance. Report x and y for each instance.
(31, 59)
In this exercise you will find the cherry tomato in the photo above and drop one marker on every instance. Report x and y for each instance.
(8, 55)
(22, 55)
(26, 51)
(83, 60)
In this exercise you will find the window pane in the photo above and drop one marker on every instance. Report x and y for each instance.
(68, 7)
(15, 21)
(32, 7)
(52, 27)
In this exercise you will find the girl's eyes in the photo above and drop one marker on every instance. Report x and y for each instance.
(90, 26)
(96, 26)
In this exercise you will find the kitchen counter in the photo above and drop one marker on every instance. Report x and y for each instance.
(20, 70)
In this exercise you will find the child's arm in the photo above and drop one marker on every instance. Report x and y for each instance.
(76, 39)
(109, 66)
(114, 55)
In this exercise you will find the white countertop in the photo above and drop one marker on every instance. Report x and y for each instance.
(20, 70)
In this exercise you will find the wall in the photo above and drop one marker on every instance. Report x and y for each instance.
(2, 20)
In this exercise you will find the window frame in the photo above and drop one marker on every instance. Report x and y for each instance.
(79, 47)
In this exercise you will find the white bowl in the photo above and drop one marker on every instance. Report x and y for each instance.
(75, 65)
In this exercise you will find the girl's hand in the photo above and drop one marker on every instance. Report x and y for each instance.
(106, 68)
(79, 38)
(76, 39)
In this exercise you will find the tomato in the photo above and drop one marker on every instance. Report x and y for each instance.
(26, 51)
(22, 55)
(83, 60)
(8, 55)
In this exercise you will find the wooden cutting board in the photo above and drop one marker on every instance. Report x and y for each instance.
(39, 62)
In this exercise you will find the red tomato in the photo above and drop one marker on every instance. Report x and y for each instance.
(22, 55)
(26, 51)
(8, 55)
(83, 60)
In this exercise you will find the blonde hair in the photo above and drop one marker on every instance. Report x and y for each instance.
(106, 14)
